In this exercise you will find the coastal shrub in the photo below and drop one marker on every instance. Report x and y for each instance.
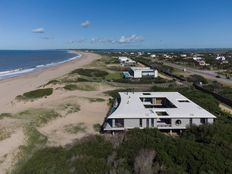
(38, 116)
(197, 79)
(80, 86)
(53, 82)
(88, 156)
(70, 87)
(90, 72)
(39, 93)
(97, 127)
(75, 128)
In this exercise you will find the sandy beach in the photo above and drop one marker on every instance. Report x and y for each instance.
(12, 87)
(54, 130)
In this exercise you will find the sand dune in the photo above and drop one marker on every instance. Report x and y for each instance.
(54, 129)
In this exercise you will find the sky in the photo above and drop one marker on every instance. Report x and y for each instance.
(115, 24)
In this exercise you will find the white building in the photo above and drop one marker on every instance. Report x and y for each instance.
(221, 58)
(183, 55)
(126, 61)
(153, 56)
(140, 72)
(198, 58)
(162, 110)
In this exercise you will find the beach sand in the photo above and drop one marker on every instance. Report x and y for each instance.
(55, 129)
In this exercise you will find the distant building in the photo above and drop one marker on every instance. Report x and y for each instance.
(221, 58)
(197, 58)
(153, 55)
(126, 61)
(183, 55)
(140, 72)
(161, 110)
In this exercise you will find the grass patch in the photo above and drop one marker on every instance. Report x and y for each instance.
(4, 134)
(75, 128)
(3, 115)
(52, 82)
(90, 72)
(71, 108)
(35, 141)
(114, 76)
(38, 117)
(70, 87)
(96, 99)
(89, 156)
(97, 127)
(39, 93)
(80, 86)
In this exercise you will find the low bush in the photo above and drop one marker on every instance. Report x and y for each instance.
(90, 72)
(39, 93)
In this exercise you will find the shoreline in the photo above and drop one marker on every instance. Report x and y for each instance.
(12, 73)
(12, 87)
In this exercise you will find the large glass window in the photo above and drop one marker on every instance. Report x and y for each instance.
(204, 120)
(119, 122)
(140, 122)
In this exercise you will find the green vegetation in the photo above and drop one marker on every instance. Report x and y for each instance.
(88, 156)
(39, 93)
(70, 108)
(97, 127)
(90, 72)
(114, 76)
(219, 89)
(35, 141)
(80, 86)
(37, 117)
(4, 133)
(75, 128)
(71, 87)
(197, 79)
(96, 100)
(3, 115)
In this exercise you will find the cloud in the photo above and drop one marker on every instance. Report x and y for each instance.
(38, 30)
(130, 39)
(85, 24)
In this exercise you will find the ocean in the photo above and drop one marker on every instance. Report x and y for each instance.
(14, 62)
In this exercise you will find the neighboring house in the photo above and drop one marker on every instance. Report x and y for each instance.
(163, 110)
(198, 58)
(126, 61)
(153, 56)
(140, 72)
(183, 55)
(221, 58)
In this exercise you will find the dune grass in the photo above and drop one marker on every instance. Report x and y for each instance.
(80, 86)
(38, 117)
(75, 128)
(39, 93)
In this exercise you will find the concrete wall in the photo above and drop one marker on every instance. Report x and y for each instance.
(137, 74)
(184, 122)
(129, 123)
(196, 121)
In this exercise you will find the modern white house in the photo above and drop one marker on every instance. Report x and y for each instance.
(221, 58)
(163, 110)
(140, 72)
(126, 61)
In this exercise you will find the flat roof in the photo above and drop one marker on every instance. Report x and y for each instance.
(141, 68)
(131, 106)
